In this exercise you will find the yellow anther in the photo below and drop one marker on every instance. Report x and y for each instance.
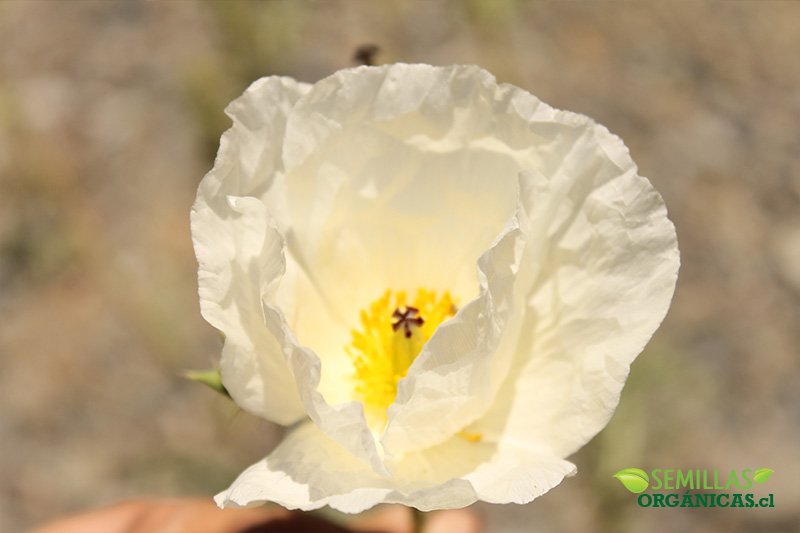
(392, 334)
(471, 437)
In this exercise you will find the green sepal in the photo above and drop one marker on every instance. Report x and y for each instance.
(210, 378)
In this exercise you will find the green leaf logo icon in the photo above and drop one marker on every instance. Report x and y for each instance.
(762, 474)
(635, 480)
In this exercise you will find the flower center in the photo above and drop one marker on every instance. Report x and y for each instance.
(392, 334)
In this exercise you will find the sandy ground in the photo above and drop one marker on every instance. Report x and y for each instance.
(110, 113)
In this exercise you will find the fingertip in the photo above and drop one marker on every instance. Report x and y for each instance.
(386, 519)
(454, 521)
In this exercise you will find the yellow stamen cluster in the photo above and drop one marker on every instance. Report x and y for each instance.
(386, 344)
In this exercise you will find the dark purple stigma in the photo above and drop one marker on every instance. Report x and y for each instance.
(405, 319)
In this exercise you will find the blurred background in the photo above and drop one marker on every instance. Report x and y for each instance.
(111, 112)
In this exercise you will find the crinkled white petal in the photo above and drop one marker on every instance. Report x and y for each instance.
(605, 281)
(309, 470)
(249, 162)
(240, 258)
(240, 253)
(263, 367)
(344, 422)
(482, 343)
(455, 377)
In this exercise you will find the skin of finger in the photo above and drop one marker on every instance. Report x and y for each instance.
(164, 516)
(112, 519)
(387, 519)
(399, 519)
(200, 515)
(455, 521)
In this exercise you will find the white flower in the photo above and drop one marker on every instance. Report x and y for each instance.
(339, 214)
